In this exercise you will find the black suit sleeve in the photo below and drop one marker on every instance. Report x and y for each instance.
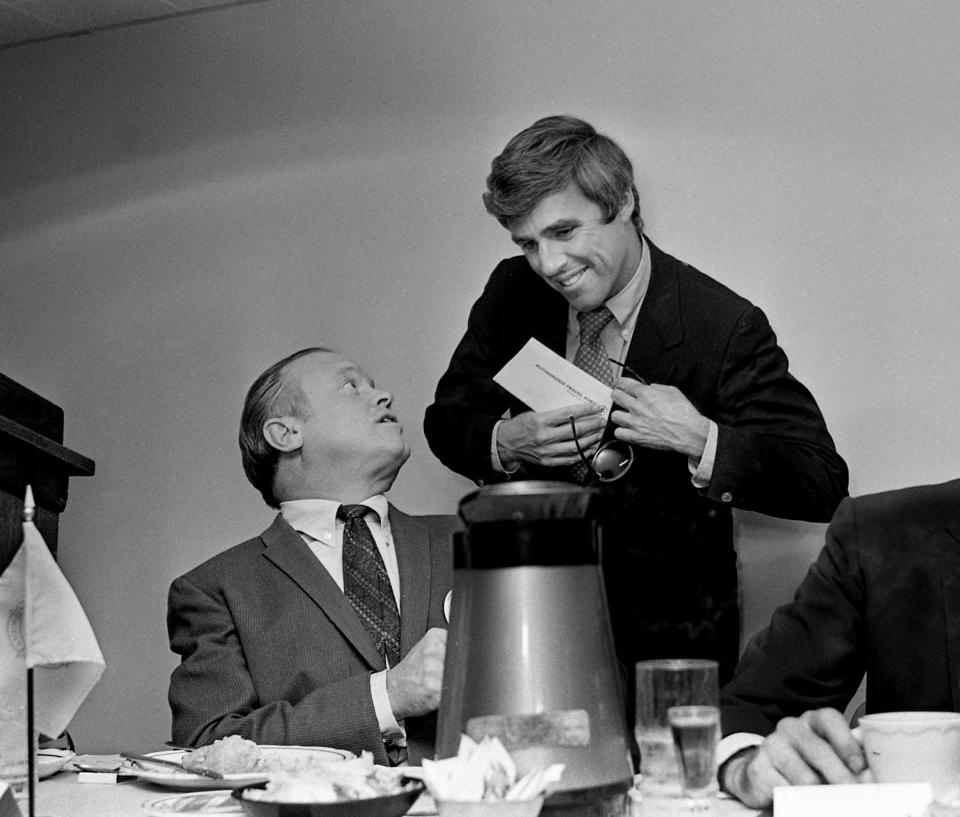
(774, 453)
(812, 654)
(459, 423)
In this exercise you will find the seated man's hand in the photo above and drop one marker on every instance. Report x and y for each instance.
(413, 685)
(817, 747)
(658, 416)
(545, 437)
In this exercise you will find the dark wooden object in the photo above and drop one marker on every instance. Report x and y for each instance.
(32, 453)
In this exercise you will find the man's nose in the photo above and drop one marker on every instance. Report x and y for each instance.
(552, 258)
(384, 398)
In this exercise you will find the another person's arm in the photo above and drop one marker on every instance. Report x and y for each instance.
(818, 747)
(799, 673)
(212, 693)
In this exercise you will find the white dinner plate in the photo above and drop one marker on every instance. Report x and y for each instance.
(283, 757)
(200, 802)
(51, 761)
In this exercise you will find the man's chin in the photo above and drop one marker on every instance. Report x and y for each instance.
(583, 299)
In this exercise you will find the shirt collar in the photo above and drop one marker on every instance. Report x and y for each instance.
(625, 305)
(317, 517)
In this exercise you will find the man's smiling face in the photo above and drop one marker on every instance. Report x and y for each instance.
(571, 245)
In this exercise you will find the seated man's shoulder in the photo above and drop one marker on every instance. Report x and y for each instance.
(911, 505)
(226, 562)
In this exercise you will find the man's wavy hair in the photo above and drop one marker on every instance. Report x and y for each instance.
(271, 395)
(550, 154)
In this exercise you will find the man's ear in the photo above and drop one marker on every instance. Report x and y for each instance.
(284, 433)
(626, 208)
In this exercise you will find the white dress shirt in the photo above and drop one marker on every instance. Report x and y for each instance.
(317, 523)
(616, 337)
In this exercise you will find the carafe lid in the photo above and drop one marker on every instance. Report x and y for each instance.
(528, 500)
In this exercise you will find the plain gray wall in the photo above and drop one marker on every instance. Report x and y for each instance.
(184, 202)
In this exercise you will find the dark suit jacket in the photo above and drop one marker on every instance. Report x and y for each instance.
(883, 598)
(669, 559)
(272, 650)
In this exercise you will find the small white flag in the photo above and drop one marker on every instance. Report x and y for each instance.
(43, 627)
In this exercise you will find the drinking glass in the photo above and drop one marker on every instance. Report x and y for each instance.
(662, 684)
(696, 732)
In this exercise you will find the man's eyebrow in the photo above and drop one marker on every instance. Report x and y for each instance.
(350, 368)
(562, 224)
(553, 227)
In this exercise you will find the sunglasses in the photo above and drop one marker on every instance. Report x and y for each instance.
(613, 458)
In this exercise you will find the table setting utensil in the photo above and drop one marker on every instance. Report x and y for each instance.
(156, 761)
(273, 758)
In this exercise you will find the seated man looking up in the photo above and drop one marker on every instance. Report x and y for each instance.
(327, 628)
(881, 599)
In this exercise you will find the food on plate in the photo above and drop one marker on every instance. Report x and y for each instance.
(354, 779)
(229, 755)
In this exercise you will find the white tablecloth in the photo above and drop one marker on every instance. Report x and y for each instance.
(63, 796)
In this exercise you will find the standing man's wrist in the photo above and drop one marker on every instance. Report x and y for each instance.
(500, 458)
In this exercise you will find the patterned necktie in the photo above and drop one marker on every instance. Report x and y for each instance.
(591, 356)
(366, 584)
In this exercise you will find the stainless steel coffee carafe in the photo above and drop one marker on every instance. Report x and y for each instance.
(530, 654)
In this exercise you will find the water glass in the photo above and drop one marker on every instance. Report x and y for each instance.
(696, 732)
(662, 684)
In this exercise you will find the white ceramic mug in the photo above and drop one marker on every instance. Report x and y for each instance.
(911, 747)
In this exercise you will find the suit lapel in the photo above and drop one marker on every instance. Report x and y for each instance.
(950, 582)
(659, 330)
(411, 538)
(554, 313)
(286, 550)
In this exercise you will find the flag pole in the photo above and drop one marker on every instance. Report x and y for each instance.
(31, 750)
(28, 511)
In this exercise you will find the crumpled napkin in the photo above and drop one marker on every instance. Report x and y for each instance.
(485, 771)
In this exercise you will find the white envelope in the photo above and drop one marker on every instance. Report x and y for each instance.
(544, 380)
(858, 800)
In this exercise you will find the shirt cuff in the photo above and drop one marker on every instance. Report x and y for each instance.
(389, 728)
(735, 742)
(702, 472)
(495, 454)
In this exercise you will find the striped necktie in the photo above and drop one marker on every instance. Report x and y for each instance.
(366, 583)
(592, 357)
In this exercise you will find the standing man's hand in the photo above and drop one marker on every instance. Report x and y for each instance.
(658, 416)
(546, 438)
(817, 747)
(413, 685)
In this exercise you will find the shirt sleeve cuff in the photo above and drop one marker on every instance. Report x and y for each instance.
(389, 728)
(495, 454)
(702, 472)
(734, 743)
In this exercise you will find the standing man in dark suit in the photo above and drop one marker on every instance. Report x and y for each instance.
(327, 628)
(714, 416)
(883, 598)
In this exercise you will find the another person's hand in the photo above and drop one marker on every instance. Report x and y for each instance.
(413, 685)
(545, 437)
(658, 416)
(817, 747)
